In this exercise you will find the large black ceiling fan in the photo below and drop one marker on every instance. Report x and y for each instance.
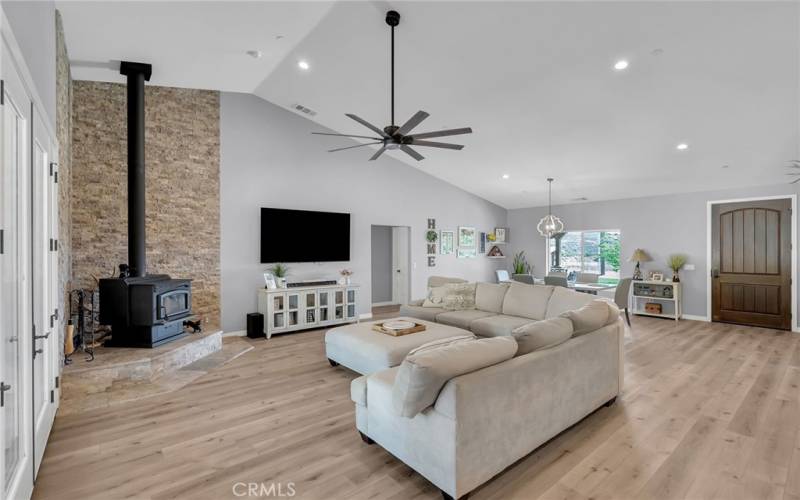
(394, 137)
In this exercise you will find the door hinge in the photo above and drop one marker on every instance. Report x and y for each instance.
(3, 388)
(55, 245)
(2, 92)
(2, 241)
(52, 320)
(54, 171)
(52, 396)
(56, 313)
(51, 244)
(58, 381)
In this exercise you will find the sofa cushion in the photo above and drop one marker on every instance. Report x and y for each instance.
(459, 296)
(436, 281)
(613, 312)
(542, 334)
(497, 326)
(462, 319)
(588, 318)
(423, 374)
(489, 296)
(564, 299)
(435, 297)
(527, 301)
(426, 313)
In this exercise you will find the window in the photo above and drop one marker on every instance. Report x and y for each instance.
(595, 252)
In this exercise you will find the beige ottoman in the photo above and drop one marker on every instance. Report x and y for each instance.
(363, 350)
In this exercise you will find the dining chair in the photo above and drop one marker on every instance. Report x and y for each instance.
(556, 281)
(587, 278)
(523, 278)
(621, 296)
(502, 276)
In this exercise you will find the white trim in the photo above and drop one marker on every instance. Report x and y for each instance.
(364, 316)
(387, 303)
(25, 74)
(694, 317)
(237, 333)
(793, 198)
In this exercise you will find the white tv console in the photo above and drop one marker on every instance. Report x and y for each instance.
(299, 308)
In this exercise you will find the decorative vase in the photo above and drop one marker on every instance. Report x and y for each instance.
(675, 277)
(281, 282)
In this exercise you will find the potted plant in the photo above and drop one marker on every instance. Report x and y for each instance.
(520, 264)
(676, 262)
(280, 271)
(346, 273)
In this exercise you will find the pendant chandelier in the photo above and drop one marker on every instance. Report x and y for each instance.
(550, 224)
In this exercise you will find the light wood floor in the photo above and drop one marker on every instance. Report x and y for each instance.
(708, 411)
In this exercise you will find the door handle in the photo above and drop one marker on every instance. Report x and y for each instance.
(3, 388)
(37, 337)
(715, 273)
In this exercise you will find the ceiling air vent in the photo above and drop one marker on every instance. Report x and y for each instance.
(304, 110)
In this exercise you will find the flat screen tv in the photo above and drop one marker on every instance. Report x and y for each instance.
(304, 236)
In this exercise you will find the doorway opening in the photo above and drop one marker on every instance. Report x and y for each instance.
(752, 259)
(391, 264)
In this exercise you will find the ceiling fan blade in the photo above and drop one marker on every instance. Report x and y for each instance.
(357, 146)
(412, 122)
(378, 153)
(348, 135)
(412, 153)
(795, 181)
(792, 173)
(432, 144)
(367, 124)
(442, 133)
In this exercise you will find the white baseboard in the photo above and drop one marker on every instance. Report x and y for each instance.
(237, 333)
(365, 316)
(695, 317)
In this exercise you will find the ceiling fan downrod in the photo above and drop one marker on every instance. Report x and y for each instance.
(392, 19)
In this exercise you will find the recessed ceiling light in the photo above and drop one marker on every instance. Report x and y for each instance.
(682, 146)
(303, 64)
(506, 176)
(621, 64)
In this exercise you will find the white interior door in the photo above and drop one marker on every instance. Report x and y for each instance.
(45, 350)
(16, 438)
(401, 258)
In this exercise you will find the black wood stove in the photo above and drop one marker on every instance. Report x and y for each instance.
(143, 310)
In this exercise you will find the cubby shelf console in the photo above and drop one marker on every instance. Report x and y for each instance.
(300, 308)
(666, 293)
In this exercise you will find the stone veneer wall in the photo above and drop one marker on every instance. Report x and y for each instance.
(64, 137)
(182, 182)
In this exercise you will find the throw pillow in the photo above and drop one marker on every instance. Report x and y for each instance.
(588, 318)
(613, 312)
(459, 296)
(542, 334)
(423, 374)
(435, 297)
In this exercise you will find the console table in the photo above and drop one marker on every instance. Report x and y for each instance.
(664, 292)
(291, 309)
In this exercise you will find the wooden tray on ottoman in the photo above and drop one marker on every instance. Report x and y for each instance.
(418, 327)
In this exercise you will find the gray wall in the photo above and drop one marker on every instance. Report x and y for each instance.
(268, 158)
(661, 225)
(381, 264)
(34, 27)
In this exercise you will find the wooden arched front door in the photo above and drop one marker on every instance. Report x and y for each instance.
(751, 263)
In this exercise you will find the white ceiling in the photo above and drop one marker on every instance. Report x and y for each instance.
(535, 80)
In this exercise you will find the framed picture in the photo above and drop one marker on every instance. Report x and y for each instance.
(269, 281)
(466, 237)
(447, 242)
(500, 235)
(657, 276)
(467, 253)
(482, 243)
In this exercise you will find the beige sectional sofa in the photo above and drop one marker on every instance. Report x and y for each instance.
(483, 421)
(501, 308)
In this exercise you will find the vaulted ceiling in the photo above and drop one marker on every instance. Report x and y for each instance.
(535, 80)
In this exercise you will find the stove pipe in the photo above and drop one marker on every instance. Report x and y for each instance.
(137, 74)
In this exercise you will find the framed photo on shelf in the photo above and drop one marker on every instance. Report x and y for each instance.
(466, 237)
(467, 253)
(269, 281)
(500, 235)
(447, 242)
(656, 276)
